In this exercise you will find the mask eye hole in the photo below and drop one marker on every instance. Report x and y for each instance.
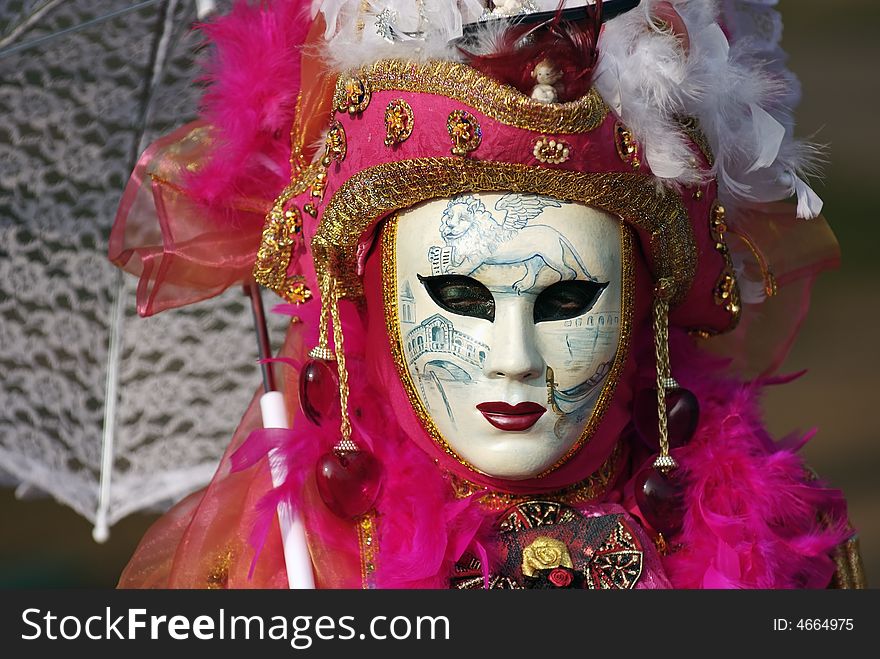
(567, 299)
(463, 296)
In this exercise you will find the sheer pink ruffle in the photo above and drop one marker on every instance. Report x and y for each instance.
(181, 251)
(777, 258)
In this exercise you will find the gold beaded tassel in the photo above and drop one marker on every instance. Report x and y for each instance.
(345, 443)
(322, 350)
(662, 293)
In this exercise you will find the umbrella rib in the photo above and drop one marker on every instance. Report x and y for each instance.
(73, 28)
(157, 63)
(22, 27)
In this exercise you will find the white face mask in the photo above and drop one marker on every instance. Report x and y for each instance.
(508, 309)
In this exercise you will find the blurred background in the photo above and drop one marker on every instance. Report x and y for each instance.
(832, 48)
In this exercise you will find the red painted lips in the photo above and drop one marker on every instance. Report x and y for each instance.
(505, 416)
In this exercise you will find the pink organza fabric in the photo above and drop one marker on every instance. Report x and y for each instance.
(179, 250)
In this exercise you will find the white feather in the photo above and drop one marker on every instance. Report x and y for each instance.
(769, 134)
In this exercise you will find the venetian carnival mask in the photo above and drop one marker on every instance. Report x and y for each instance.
(508, 312)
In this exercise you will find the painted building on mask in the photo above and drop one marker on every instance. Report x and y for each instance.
(437, 334)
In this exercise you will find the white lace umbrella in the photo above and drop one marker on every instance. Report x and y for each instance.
(107, 412)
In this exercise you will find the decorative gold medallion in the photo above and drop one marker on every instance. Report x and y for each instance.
(319, 185)
(280, 234)
(335, 150)
(465, 132)
(352, 95)
(336, 145)
(399, 122)
(551, 151)
(726, 289)
(627, 147)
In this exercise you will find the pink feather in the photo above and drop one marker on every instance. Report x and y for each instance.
(754, 517)
(253, 77)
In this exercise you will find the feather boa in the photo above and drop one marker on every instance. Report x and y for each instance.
(754, 515)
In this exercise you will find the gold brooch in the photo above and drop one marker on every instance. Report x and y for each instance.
(627, 147)
(551, 151)
(398, 122)
(352, 96)
(335, 149)
(465, 132)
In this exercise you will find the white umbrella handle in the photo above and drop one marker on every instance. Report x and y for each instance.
(293, 533)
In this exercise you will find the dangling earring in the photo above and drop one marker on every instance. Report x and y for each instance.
(657, 491)
(551, 392)
(319, 379)
(348, 477)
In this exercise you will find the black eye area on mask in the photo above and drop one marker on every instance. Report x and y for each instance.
(461, 295)
(567, 299)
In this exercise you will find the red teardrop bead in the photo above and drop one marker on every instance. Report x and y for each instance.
(348, 482)
(682, 413)
(319, 391)
(660, 499)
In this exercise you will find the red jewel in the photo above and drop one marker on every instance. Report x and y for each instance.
(659, 498)
(682, 412)
(319, 391)
(560, 578)
(349, 482)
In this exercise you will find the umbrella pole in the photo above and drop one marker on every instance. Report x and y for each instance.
(293, 536)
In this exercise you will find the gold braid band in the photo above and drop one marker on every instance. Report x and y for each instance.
(374, 192)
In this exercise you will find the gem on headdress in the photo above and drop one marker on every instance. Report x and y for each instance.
(283, 226)
(295, 290)
(280, 234)
(726, 289)
(352, 96)
(627, 147)
(399, 122)
(336, 144)
(465, 131)
(335, 150)
(319, 184)
(384, 23)
(551, 151)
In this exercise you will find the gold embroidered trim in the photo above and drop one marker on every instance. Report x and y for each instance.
(849, 571)
(589, 489)
(218, 575)
(276, 245)
(377, 191)
(467, 85)
(726, 288)
(392, 321)
(691, 128)
(368, 549)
